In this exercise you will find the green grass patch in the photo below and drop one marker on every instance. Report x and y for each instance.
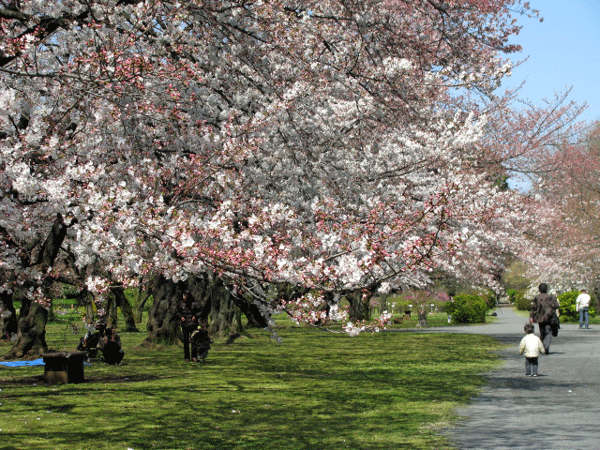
(316, 390)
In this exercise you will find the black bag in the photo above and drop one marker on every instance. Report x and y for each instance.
(555, 324)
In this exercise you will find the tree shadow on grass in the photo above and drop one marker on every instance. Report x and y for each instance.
(37, 380)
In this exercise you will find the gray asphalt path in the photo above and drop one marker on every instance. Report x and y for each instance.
(558, 410)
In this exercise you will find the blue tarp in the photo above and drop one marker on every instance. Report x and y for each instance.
(35, 362)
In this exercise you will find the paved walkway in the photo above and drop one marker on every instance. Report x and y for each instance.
(559, 410)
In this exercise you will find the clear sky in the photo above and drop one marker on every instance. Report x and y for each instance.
(564, 52)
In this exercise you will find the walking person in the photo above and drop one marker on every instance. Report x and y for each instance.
(531, 346)
(582, 305)
(188, 311)
(543, 311)
(201, 342)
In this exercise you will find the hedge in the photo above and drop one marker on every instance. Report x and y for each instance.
(467, 309)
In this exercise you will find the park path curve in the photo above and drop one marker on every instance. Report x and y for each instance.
(559, 410)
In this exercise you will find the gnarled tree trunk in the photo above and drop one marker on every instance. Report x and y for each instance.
(219, 305)
(221, 308)
(119, 300)
(359, 305)
(8, 316)
(142, 295)
(163, 326)
(31, 331)
(31, 328)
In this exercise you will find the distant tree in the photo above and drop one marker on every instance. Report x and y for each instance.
(571, 191)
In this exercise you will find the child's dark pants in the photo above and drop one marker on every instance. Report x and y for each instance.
(531, 366)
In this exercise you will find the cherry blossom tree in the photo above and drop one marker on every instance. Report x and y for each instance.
(569, 191)
(339, 147)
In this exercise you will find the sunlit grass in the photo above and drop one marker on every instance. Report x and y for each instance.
(316, 390)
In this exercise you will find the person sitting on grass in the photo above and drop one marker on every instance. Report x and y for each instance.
(111, 348)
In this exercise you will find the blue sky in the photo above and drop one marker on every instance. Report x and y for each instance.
(564, 52)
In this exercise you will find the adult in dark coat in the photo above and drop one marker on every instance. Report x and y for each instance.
(188, 311)
(543, 311)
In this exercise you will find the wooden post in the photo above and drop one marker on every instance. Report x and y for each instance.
(64, 367)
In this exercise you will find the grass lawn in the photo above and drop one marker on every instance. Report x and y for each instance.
(315, 390)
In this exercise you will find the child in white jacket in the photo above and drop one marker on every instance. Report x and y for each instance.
(531, 346)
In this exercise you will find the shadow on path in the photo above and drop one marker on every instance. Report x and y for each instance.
(558, 410)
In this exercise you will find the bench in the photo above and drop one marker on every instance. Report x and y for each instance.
(62, 367)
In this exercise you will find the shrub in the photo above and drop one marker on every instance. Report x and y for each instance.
(518, 298)
(467, 309)
(568, 302)
(511, 294)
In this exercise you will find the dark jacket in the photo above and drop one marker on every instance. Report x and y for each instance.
(111, 348)
(188, 313)
(543, 308)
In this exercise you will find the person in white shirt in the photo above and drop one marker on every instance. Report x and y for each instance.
(582, 305)
(531, 346)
